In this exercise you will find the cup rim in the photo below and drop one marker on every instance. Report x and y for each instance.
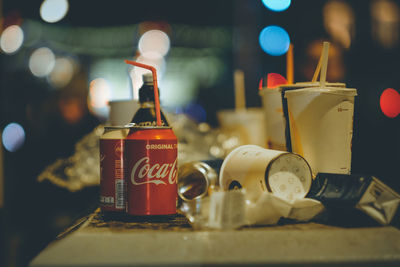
(300, 85)
(324, 90)
(309, 182)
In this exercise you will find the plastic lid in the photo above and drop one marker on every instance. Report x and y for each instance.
(300, 85)
(311, 84)
(324, 90)
(307, 84)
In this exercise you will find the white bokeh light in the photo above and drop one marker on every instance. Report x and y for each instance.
(62, 72)
(99, 95)
(11, 39)
(155, 41)
(42, 62)
(137, 73)
(178, 90)
(114, 71)
(53, 10)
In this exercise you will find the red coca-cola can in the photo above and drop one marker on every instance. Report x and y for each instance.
(112, 169)
(151, 164)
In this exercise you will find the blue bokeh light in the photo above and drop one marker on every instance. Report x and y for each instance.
(277, 5)
(274, 40)
(13, 137)
(194, 111)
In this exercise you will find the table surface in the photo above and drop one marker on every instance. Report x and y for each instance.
(96, 242)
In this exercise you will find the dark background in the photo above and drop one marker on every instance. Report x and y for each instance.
(34, 213)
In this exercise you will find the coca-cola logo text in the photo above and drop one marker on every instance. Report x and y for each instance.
(144, 173)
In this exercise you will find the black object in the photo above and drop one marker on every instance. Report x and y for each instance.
(354, 200)
(286, 117)
(340, 190)
(146, 115)
(215, 164)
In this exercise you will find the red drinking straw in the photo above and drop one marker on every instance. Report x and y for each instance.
(156, 99)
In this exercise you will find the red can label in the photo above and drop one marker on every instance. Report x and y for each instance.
(112, 182)
(152, 175)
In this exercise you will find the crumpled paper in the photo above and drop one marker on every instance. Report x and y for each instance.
(235, 209)
(80, 170)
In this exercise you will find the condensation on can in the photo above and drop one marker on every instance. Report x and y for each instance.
(151, 159)
(112, 169)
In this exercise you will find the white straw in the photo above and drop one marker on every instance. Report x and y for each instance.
(317, 70)
(324, 66)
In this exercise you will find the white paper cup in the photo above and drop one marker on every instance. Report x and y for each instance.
(274, 118)
(248, 123)
(122, 111)
(274, 106)
(321, 126)
(275, 109)
(258, 170)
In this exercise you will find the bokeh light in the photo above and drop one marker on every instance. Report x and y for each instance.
(336, 67)
(11, 39)
(196, 112)
(385, 22)
(261, 84)
(53, 10)
(177, 90)
(42, 62)
(99, 96)
(116, 73)
(390, 102)
(339, 22)
(274, 40)
(62, 72)
(136, 73)
(154, 41)
(274, 80)
(13, 137)
(71, 109)
(277, 5)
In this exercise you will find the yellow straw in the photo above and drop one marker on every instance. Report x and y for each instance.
(240, 97)
(290, 65)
